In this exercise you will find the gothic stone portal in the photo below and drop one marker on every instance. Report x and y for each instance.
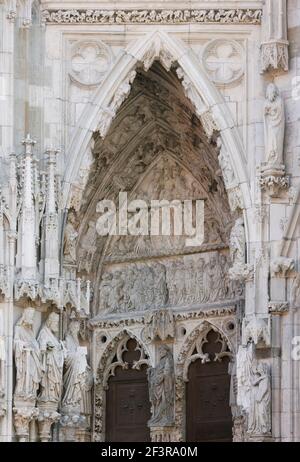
(156, 149)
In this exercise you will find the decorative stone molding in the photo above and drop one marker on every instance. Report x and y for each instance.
(281, 266)
(295, 292)
(273, 180)
(222, 16)
(90, 60)
(224, 61)
(22, 418)
(158, 52)
(109, 113)
(257, 329)
(278, 308)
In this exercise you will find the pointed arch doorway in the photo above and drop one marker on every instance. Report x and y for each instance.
(208, 412)
(127, 400)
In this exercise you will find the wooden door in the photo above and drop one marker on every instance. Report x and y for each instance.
(127, 402)
(208, 413)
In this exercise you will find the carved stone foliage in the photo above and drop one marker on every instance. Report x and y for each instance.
(22, 418)
(184, 281)
(254, 392)
(110, 360)
(89, 63)
(161, 380)
(281, 266)
(226, 16)
(224, 61)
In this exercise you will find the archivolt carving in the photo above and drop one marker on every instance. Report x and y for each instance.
(110, 360)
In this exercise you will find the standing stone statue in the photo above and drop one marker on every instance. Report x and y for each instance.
(238, 243)
(52, 360)
(70, 238)
(75, 370)
(259, 422)
(161, 389)
(274, 124)
(27, 357)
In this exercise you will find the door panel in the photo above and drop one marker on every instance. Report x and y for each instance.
(208, 413)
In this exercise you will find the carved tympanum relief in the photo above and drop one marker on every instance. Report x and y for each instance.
(90, 60)
(175, 282)
(224, 61)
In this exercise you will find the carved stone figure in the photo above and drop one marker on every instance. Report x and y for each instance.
(259, 422)
(70, 238)
(254, 391)
(237, 243)
(52, 361)
(76, 370)
(274, 123)
(161, 389)
(27, 358)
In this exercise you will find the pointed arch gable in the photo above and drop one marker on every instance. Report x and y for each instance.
(158, 45)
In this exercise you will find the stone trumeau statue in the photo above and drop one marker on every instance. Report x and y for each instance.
(161, 389)
(27, 358)
(274, 122)
(52, 353)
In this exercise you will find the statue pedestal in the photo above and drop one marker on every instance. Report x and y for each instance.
(24, 413)
(273, 179)
(259, 438)
(163, 434)
(48, 415)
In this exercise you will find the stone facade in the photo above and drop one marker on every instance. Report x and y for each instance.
(180, 101)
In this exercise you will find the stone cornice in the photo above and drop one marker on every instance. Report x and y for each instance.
(152, 16)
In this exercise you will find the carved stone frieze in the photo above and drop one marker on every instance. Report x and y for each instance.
(182, 282)
(146, 16)
(22, 418)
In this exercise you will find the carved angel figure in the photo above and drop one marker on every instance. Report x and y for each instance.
(274, 124)
(52, 353)
(70, 239)
(161, 389)
(27, 357)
